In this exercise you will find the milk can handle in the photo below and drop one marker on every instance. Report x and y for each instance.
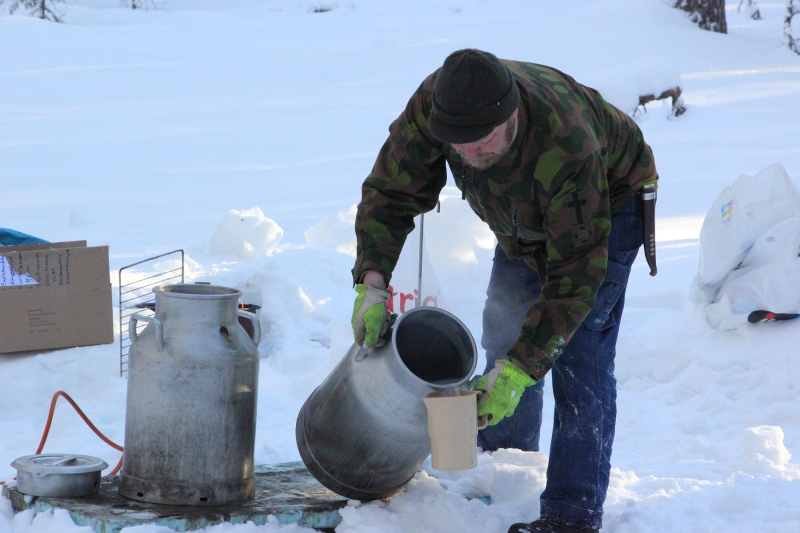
(254, 322)
(159, 329)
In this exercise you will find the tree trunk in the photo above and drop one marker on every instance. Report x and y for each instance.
(709, 14)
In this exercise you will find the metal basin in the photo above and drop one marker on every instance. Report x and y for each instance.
(59, 475)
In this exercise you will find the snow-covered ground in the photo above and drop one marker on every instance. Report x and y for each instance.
(144, 129)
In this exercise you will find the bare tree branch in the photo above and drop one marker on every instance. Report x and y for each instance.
(752, 6)
(678, 108)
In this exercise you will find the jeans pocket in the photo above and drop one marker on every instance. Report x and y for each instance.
(600, 317)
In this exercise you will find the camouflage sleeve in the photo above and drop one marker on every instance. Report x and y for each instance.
(405, 181)
(630, 159)
(578, 224)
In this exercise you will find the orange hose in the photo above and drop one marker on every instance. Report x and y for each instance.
(83, 416)
(85, 419)
(116, 468)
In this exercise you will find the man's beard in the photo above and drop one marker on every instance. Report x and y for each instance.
(487, 159)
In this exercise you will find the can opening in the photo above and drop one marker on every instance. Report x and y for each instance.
(196, 290)
(435, 347)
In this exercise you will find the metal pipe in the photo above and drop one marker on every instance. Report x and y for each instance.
(419, 279)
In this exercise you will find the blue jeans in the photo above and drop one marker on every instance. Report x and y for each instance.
(10, 237)
(584, 386)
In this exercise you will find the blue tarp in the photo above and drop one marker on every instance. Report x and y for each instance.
(9, 237)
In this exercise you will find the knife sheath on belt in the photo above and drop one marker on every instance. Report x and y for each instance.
(648, 194)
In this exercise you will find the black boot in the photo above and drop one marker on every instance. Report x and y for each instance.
(548, 526)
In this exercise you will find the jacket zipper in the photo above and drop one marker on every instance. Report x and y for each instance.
(514, 216)
(515, 232)
(466, 178)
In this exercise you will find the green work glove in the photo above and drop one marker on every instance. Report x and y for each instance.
(501, 390)
(371, 316)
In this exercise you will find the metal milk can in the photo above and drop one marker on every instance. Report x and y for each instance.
(191, 408)
(363, 433)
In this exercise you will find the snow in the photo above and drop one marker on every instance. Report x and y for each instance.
(245, 234)
(146, 130)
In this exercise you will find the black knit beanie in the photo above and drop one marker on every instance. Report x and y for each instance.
(473, 94)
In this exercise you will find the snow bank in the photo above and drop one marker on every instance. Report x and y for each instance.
(622, 85)
(764, 448)
(449, 237)
(455, 234)
(245, 234)
(335, 231)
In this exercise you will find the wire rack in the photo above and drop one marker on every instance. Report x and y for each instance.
(136, 292)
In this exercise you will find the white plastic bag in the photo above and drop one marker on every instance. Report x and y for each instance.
(739, 215)
(768, 279)
(405, 278)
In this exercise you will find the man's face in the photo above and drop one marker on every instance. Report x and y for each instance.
(485, 152)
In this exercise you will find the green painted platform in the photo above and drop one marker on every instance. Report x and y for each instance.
(286, 491)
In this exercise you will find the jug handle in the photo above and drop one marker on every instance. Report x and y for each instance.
(255, 323)
(383, 340)
(159, 329)
(362, 354)
(483, 420)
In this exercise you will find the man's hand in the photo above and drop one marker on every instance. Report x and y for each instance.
(501, 390)
(371, 315)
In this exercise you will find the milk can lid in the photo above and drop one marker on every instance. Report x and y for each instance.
(58, 463)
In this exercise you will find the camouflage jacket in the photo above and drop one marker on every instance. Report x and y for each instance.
(575, 160)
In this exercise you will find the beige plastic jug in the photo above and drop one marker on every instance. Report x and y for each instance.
(453, 429)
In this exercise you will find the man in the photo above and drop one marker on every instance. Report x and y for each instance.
(556, 172)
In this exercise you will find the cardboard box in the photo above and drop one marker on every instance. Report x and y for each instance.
(55, 295)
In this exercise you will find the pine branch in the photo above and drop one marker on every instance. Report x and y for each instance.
(43, 9)
(792, 9)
